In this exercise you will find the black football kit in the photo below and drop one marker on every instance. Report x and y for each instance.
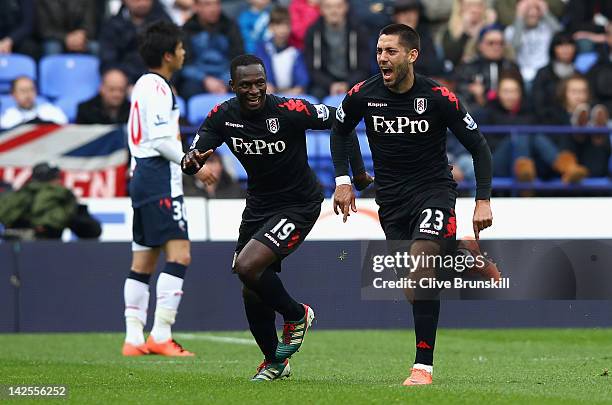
(284, 195)
(407, 136)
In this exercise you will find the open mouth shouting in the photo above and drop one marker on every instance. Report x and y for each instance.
(387, 73)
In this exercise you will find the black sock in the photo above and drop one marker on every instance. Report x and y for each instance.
(426, 313)
(261, 319)
(272, 292)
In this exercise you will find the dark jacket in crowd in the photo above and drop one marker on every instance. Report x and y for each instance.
(16, 19)
(56, 18)
(316, 55)
(544, 91)
(92, 112)
(119, 42)
(209, 49)
(428, 63)
(482, 68)
(600, 79)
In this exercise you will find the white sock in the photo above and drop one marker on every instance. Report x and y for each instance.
(136, 297)
(169, 293)
(425, 367)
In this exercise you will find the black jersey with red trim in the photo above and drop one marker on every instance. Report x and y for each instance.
(407, 136)
(271, 145)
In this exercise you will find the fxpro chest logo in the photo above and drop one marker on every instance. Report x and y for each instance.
(399, 125)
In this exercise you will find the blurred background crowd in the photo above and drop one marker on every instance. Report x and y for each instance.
(512, 62)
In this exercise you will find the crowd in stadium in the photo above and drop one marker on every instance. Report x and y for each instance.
(512, 62)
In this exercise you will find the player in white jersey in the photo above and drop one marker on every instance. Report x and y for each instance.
(156, 191)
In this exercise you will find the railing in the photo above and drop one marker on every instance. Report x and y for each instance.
(320, 159)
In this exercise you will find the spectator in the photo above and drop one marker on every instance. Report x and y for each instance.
(531, 35)
(46, 206)
(212, 40)
(253, 23)
(478, 80)
(119, 37)
(526, 156)
(225, 187)
(372, 14)
(459, 39)
(67, 26)
(303, 14)
(410, 12)
(284, 64)
(600, 75)
(573, 108)
(336, 51)
(16, 26)
(587, 17)
(506, 10)
(26, 109)
(561, 66)
(111, 105)
(179, 10)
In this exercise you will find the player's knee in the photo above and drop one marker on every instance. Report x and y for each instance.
(183, 258)
(246, 269)
(249, 295)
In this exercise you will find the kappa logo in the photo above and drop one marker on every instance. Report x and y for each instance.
(371, 104)
(420, 105)
(448, 94)
(295, 105)
(356, 88)
(322, 111)
(273, 125)
(233, 125)
(214, 110)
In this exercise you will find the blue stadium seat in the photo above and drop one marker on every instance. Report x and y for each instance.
(307, 97)
(69, 105)
(333, 101)
(7, 101)
(181, 105)
(364, 146)
(200, 105)
(69, 75)
(13, 66)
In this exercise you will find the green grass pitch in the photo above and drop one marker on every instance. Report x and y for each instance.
(522, 366)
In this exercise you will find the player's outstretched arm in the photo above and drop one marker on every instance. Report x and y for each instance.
(193, 161)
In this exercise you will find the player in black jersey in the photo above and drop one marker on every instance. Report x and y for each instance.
(406, 117)
(267, 135)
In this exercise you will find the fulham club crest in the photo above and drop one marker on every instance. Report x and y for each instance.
(420, 105)
(272, 124)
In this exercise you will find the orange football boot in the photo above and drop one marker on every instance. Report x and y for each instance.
(133, 350)
(418, 377)
(488, 270)
(168, 348)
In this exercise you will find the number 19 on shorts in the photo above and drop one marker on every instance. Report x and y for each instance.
(283, 228)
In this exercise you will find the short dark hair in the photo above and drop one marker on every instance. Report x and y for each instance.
(408, 37)
(244, 60)
(159, 38)
(280, 15)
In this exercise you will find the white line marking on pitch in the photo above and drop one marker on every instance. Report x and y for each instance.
(220, 339)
